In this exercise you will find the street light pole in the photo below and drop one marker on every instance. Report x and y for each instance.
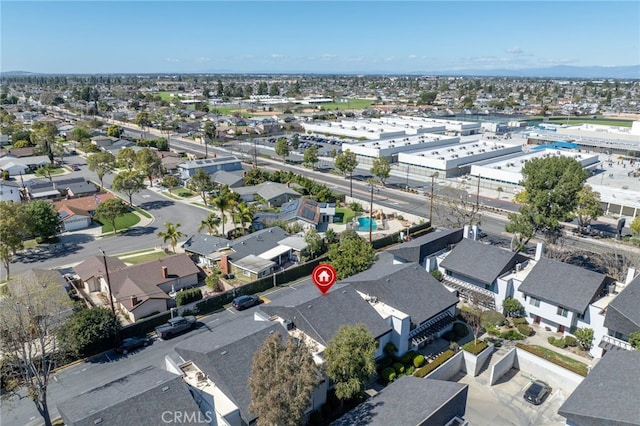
(478, 196)
(407, 178)
(433, 178)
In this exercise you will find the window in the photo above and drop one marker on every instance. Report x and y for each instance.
(246, 273)
(535, 302)
(562, 311)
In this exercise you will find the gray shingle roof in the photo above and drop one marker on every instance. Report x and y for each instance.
(407, 287)
(609, 394)
(482, 262)
(563, 284)
(267, 190)
(419, 248)
(94, 266)
(230, 179)
(204, 244)
(321, 317)
(196, 164)
(623, 313)
(257, 243)
(408, 401)
(139, 398)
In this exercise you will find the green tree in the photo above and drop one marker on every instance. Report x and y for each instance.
(351, 254)
(311, 157)
(283, 377)
(346, 162)
(13, 228)
(634, 340)
(330, 236)
(171, 234)
(44, 135)
(88, 331)
(147, 162)
(80, 134)
(43, 219)
(381, 169)
(224, 202)
(282, 149)
(126, 158)
(45, 171)
(585, 337)
(588, 206)
(110, 210)
(314, 242)
(211, 223)
(551, 186)
(128, 182)
(511, 306)
(635, 226)
(213, 281)
(143, 120)
(170, 181)
(102, 163)
(242, 214)
(350, 356)
(201, 183)
(209, 135)
(115, 131)
(295, 141)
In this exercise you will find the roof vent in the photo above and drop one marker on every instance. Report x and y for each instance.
(166, 388)
(223, 353)
(97, 421)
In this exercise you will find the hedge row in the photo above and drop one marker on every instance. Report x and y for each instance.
(524, 329)
(440, 359)
(563, 342)
(188, 296)
(511, 335)
(531, 349)
(475, 348)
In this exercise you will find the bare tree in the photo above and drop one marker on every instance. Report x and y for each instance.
(456, 208)
(472, 318)
(31, 312)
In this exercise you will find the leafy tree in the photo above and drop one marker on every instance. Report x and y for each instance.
(79, 134)
(351, 254)
(143, 120)
(295, 142)
(44, 135)
(209, 135)
(283, 377)
(13, 228)
(635, 226)
(330, 236)
(43, 219)
(201, 183)
(88, 331)
(211, 223)
(45, 171)
(115, 131)
(170, 181)
(110, 210)
(585, 337)
(128, 182)
(634, 340)
(224, 202)
(381, 169)
(30, 317)
(346, 162)
(588, 206)
(314, 242)
(311, 157)
(172, 234)
(213, 281)
(511, 306)
(551, 186)
(126, 158)
(242, 214)
(102, 163)
(350, 356)
(255, 177)
(147, 162)
(282, 149)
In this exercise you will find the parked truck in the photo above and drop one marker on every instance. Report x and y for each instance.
(175, 326)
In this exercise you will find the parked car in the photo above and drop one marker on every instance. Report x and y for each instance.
(175, 326)
(245, 302)
(75, 167)
(537, 392)
(133, 343)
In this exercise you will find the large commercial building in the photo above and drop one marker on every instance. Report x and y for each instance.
(371, 129)
(452, 127)
(390, 148)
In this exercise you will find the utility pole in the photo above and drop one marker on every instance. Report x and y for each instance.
(478, 196)
(371, 214)
(433, 178)
(113, 309)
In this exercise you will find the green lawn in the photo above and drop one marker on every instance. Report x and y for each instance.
(122, 222)
(580, 120)
(351, 104)
(144, 257)
(568, 360)
(182, 192)
(132, 253)
(165, 96)
(143, 213)
(346, 213)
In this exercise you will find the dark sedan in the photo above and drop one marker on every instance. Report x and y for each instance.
(537, 392)
(245, 302)
(133, 343)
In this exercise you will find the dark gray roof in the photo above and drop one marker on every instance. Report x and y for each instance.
(222, 177)
(256, 243)
(139, 398)
(562, 284)
(204, 244)
(623, 314)
(80, 188)
(408, 401)
(197, 164)
(417, 249)
(226, 357)
(267, 190)
(298, 209)
(482, 262)
(609, 394)
(321, 317)
(407, 287)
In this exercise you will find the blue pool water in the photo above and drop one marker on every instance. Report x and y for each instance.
(363, 224)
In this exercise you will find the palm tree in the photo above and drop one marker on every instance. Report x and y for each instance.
(243, 214)
(223, 202)
(211, 222)
(172, 234)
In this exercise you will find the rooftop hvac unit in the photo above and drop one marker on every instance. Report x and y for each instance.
(435, 152)
(499, 167)
(288, 324)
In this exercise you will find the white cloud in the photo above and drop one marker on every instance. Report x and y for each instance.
(277, 56)
(515, 50)
(202, 59)
(171, 60)
(413, 56)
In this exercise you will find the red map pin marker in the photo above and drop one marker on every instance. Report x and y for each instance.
(324, 276)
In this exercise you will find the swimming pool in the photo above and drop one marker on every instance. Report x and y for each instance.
(363, 224)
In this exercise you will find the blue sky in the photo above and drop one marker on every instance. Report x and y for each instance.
(307, 36)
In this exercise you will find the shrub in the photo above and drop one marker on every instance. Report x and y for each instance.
(492, 330)
(410, 370)
(492, 318)
(400, 217)
(460, 330)
(525, 329)
(187, 296)
(558, 343)
(399, 368)
(496, 342)
(388, 375)
(520, 320)
(440, 359)
(418, 361)
(511, 335)
(437, 275)
(571, 341)
(475, 347)
(532, 349)
(390, 349)
(449, 335)
(407, 358)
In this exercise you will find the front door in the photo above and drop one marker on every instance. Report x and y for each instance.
(561, 329)
(536, 319)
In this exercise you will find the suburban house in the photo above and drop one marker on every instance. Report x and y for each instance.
(622, 316)
(57, 188)
(424, 249)
(92, 271)
(77, 213)
(417, 306)
(273, 193)
(17, 152)
(205, 249)
(209, 165)
(230, 179)
(103, 141)
(147, 397)
(411, 401)
(608, 395)
(308, 213)
(10, 191)
(22, 165)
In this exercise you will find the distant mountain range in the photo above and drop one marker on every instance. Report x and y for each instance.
(559, 71)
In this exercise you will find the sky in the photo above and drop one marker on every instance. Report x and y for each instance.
(314, 36)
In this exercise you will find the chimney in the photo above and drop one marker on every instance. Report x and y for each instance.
(224, 264)
(134, 301)
(465, 232)
(165, 272)
(539, 250)
(631, 274)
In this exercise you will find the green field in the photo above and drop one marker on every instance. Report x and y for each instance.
(122, 222)
(583, 120)
(144, 257)
(165, 96)
(350, 104)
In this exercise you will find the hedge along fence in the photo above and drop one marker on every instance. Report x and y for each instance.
(575, 369)
(437, 362)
